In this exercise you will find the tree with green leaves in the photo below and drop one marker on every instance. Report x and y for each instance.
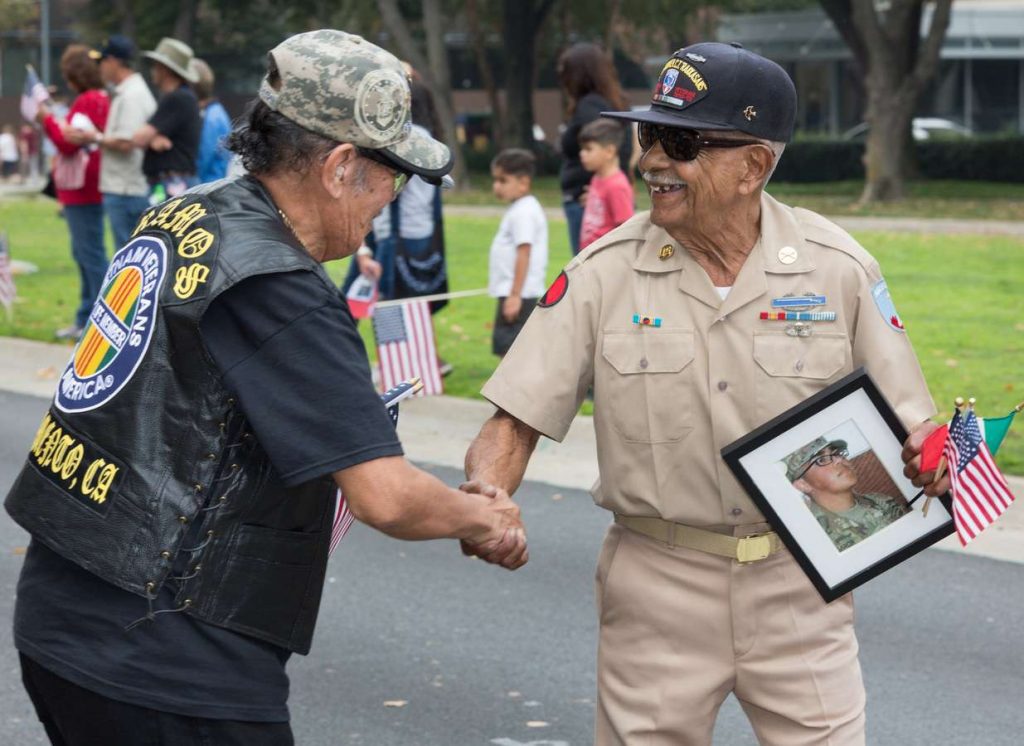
(896, 65)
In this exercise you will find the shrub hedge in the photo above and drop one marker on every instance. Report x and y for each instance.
(977, 159)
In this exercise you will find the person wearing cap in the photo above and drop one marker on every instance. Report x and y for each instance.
(170, 139)
(124, 187)
(673, 319)
(821, 471)
(212, 163)
(182, 490)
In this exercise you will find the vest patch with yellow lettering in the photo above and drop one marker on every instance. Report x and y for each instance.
(75, 466)
(119, 329)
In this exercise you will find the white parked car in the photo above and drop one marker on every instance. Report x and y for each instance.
(923, 128)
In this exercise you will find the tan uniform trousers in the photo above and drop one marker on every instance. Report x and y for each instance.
(680, 629)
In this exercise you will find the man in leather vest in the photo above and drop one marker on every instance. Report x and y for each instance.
(181, 489)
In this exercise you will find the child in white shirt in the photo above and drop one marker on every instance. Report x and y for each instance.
(519, 251)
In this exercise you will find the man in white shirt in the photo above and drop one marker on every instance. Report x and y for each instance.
(124, 187)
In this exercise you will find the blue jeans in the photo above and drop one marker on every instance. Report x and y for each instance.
(574, 217)
(123, 212)
(85, 223)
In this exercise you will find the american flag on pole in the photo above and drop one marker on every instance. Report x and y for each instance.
(342, 514)
(980, 492)
(33, 94)
(405, 345)
(7, 290)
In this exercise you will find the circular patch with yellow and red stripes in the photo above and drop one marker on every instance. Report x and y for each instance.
(119, 329)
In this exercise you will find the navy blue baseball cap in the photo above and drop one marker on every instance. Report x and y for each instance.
(714, 86)
(118, 46)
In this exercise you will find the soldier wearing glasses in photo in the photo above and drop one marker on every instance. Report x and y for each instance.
(821, 471)
(694, 324)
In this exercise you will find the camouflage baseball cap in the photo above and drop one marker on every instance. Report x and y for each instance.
(343, 87)
(800, 458)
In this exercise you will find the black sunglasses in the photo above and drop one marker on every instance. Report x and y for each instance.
(682, 144)
(401, 176)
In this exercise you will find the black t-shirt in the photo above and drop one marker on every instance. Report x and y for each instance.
(572, 176)
(290, 352)
(176, 118)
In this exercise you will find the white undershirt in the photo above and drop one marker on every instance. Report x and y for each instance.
(723, 292)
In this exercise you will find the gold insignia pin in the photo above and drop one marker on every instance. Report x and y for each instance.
(666, 251)
(750, 113)
(787, 255)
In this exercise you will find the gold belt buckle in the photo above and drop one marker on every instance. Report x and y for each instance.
(753, 548)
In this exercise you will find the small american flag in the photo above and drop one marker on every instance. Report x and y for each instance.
(342, 515)
(980, 492)
(33, 94)
(7, 290)
(405, 345)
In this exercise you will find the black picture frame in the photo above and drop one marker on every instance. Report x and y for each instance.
(850, 410)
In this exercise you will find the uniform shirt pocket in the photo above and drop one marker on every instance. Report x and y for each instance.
(793, 368)
(645, 390)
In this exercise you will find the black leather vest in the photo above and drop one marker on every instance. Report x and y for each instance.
(144, 463)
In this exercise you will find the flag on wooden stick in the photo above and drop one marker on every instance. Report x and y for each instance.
(33, 94)
(980, 491)
(8, 292)
(405, 345)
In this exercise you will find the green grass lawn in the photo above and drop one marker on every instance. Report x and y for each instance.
(959, 296)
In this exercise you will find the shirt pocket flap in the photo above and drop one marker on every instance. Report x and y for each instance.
(650, 351)
(820, 355)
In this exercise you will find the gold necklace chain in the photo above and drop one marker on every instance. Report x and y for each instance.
(288, 224)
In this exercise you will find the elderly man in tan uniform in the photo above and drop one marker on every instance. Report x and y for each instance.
(674, 320)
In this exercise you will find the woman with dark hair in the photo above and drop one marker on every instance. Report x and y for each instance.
(589, 80)
(76, 173)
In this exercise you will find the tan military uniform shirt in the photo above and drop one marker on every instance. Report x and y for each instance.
(668, 398)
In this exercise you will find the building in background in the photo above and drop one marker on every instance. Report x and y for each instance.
(979, 82)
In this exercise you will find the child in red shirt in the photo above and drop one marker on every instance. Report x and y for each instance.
(610, 195)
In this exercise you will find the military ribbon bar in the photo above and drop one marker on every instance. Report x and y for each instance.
(798, 315)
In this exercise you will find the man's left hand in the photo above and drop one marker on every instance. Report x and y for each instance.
(911, 456)
(511, 551)
(160, 143)
(511, 307)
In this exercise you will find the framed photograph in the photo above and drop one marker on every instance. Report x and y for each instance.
(829, 477)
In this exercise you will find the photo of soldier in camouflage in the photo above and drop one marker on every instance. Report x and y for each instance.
(822, 470)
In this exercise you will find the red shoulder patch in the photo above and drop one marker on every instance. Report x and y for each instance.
(556, 292)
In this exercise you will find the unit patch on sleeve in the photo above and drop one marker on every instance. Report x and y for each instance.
(883, 301)
(556, 292)
(119, 329)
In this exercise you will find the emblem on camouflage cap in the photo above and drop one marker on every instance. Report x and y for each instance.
(382, 105)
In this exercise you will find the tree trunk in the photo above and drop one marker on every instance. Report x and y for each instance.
(523, 19)
(896, 66)
(185, 23)
(126, 14)
(479, 41)
(885, 167)
(407, 47)
(519, 61)
(440, 75)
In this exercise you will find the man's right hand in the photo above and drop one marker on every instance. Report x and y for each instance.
(505, 542)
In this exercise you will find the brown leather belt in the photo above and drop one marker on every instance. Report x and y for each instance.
(742, 549)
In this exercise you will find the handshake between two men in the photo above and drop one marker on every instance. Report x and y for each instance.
(405, 502)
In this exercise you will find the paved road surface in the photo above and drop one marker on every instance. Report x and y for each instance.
(480, 656)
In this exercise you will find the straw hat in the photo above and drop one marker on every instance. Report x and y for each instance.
(175, 55)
